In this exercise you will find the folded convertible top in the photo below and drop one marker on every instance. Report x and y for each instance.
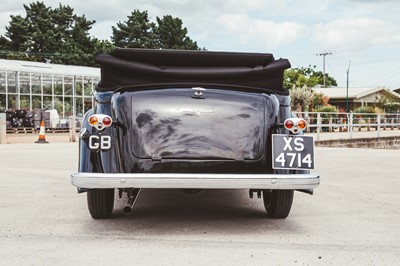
(173, 68)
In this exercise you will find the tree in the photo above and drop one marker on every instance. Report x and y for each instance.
(319, 100)
(172, 35)
(387, 102)
(16, 35)
(299, 77)
(136, 32)
(139, 32)
(45, 34)
(301, 98)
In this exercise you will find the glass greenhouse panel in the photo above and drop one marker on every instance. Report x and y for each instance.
(3, 102)
(58, 84)
(68, 106)
(47, 84)
(68, 85)
(36, 102)
(12, 81)
(12, 101)
(36, 83)
(25, 102)
(88, 86)
(2, 81)
(24, 83)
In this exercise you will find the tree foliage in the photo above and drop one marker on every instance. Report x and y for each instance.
(309, 77)
(136, 32)
(139, 32)
(388, 103)
(171, 34)
(320, 100)
(301, 98)
(55, 34)
(60, 36)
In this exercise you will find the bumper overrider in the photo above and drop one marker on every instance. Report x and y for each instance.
(200, 181)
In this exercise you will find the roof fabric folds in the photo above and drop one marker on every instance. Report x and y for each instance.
(145, 68)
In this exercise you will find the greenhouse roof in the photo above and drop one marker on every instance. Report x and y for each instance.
(38, 67)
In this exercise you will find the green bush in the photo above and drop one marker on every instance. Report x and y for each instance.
(362, 113)
(365, 109)
(328, 111)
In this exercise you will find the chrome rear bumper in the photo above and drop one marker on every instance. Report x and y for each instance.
(201, 181)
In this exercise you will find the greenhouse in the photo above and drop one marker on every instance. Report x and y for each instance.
(26, 85)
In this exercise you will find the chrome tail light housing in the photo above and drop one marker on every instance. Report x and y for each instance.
(100, 121)
(295, 125)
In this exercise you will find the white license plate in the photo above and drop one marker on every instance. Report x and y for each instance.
(292, 152)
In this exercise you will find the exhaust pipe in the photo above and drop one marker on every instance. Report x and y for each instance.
(132, 197)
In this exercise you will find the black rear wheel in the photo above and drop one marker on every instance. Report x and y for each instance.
(100, 202)
(278, 202)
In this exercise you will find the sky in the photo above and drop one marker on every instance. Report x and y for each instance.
(361, 34)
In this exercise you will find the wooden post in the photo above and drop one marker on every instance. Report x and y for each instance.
(369, 124)
(350, 128)
(378, 127)
(341, 128)
(72, 129)
(3, 128)
(318, 125)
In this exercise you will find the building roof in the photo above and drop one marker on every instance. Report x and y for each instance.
(38, 67)
(354, 92)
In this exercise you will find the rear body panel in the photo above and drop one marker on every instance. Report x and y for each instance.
(170, 130)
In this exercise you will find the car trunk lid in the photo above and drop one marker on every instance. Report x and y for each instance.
(178, 124)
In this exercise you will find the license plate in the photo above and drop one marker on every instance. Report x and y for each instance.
(99, 142)
(292, 152)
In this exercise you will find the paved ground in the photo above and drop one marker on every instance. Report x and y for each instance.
(353, 218)
(31, 138)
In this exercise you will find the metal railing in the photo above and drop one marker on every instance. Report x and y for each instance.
(320, 122)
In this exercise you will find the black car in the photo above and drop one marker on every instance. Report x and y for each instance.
(192, 120)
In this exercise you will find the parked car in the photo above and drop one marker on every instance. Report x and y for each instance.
(192, 120)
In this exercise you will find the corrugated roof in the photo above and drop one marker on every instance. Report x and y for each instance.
(38, 67)
(354, 92)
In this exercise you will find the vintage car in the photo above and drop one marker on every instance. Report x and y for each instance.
(192, 120)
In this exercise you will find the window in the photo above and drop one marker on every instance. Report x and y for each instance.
(12, 81)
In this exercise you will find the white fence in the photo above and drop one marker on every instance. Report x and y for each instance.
(320, 122)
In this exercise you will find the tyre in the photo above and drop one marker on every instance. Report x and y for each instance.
(278, 202)
(100, 203)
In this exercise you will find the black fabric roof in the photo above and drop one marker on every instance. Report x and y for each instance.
(146, 67)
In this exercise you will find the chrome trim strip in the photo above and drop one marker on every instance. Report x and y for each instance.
(201, 181)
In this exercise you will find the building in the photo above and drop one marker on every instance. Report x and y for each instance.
(357, 96)
(29, 85)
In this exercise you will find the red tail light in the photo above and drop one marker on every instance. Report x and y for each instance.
(107, 121)
(289, 124)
